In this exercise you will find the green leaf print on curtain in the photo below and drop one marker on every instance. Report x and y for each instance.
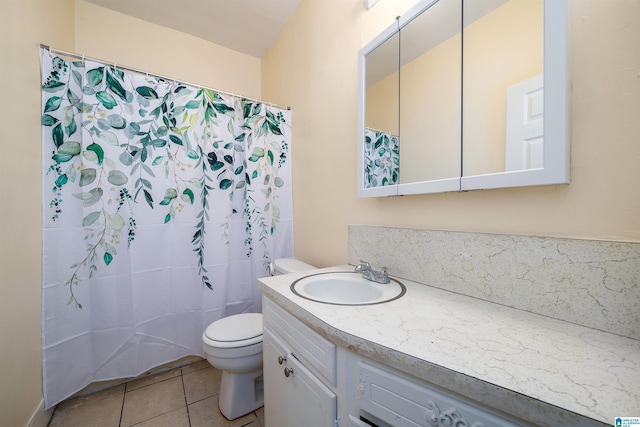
(381, 158)
(118, 143)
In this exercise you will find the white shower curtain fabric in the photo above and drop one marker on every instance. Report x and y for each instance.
(163, 203)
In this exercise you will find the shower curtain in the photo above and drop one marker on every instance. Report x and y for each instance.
(381, 158)
(162, 205)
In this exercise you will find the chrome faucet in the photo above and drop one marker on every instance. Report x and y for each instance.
(369, 273)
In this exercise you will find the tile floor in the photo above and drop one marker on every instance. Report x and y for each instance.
(181, 397)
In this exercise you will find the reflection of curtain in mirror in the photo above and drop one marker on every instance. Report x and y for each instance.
(381, 158)
(164, 203)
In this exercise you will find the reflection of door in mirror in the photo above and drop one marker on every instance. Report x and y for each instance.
(525, 125)
(430, 94)
(381, 158)
(502, 48)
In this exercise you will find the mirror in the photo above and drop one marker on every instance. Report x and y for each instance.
(493, 114)
(381, 143)
(498, 87)
(430, 94)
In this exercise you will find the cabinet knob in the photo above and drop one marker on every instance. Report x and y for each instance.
(287, 372)
(281, 360)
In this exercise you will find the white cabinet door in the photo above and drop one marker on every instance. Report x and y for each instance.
(311, 403)
(275, 383)
(299, 399)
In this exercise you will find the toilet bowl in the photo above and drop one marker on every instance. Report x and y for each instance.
(234, 345)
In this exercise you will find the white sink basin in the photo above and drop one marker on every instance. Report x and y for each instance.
(346, 288)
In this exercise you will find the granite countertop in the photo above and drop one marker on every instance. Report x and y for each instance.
(531, 366)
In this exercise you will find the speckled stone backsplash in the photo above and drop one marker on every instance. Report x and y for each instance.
(587, 282)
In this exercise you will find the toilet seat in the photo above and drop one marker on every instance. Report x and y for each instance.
(238, 330)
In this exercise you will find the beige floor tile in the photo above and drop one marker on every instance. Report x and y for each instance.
(155, 401)
(260, 414)
(177, 418)
(74, 402)
(205, 413)
(152, 379)
(97, 412)
(201, 384)
(151, 401)
(202, 364)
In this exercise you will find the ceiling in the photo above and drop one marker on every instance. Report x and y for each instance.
(247, 26)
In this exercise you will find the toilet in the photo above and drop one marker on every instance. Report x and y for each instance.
(234, 345)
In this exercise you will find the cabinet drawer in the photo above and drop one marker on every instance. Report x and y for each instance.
(403, 402)
(317, 353)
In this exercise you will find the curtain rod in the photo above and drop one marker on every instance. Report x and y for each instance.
(135, 70)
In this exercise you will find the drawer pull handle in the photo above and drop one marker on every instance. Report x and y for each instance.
(281, 360)
(287, 372)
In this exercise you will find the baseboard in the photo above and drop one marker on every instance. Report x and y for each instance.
(40, 417)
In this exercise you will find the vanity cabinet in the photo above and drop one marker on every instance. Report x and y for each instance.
(299, 373)
(301, 369)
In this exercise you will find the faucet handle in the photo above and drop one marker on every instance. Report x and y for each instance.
(362, 266)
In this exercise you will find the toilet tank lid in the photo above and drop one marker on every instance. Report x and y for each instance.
(238, 327)
(291, 265)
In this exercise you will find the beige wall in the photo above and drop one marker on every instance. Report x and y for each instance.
(313, 67)
(381, 100)
(24, 25)
(430, 114)
(88, 29)
(111, 36)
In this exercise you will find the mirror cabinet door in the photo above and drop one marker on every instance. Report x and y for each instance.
(516, 94)
(430, 99)
(503, 93)
(381, 155)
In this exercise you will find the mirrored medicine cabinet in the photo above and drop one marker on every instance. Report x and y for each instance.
(464, 95)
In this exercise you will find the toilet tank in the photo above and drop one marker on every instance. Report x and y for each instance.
(288, 265)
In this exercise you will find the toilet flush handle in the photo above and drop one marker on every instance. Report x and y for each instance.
(271, 268)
